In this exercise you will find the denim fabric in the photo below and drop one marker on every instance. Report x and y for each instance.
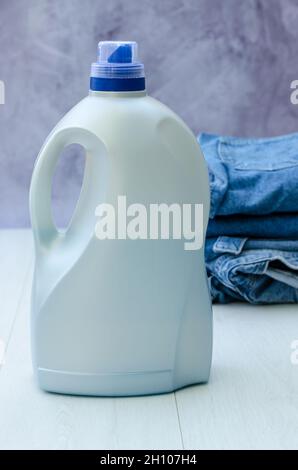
(281, 225)
(253, 270)
(252, 176)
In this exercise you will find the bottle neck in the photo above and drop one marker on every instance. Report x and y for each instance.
(118, 94)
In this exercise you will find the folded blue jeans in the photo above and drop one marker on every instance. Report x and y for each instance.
(253, 270)
(251, 176)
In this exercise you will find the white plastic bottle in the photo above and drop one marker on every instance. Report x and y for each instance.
(120, 316)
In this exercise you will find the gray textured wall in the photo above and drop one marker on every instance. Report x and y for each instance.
(224, 65)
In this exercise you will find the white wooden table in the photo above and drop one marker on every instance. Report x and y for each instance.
(250, 402)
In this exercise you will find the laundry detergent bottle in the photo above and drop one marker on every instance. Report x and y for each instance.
(120, 300)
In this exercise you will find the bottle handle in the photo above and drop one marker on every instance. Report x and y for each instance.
(44, 229)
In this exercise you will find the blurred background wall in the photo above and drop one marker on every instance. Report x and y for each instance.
(225, 66)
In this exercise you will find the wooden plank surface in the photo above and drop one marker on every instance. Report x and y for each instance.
(251, 401)
(15, 256)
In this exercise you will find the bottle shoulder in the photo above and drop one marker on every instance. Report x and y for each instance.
(146, 104)
(99, 113)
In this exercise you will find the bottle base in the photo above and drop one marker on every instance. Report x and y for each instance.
(115, 384)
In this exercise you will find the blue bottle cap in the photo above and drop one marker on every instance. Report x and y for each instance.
(117, 67)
